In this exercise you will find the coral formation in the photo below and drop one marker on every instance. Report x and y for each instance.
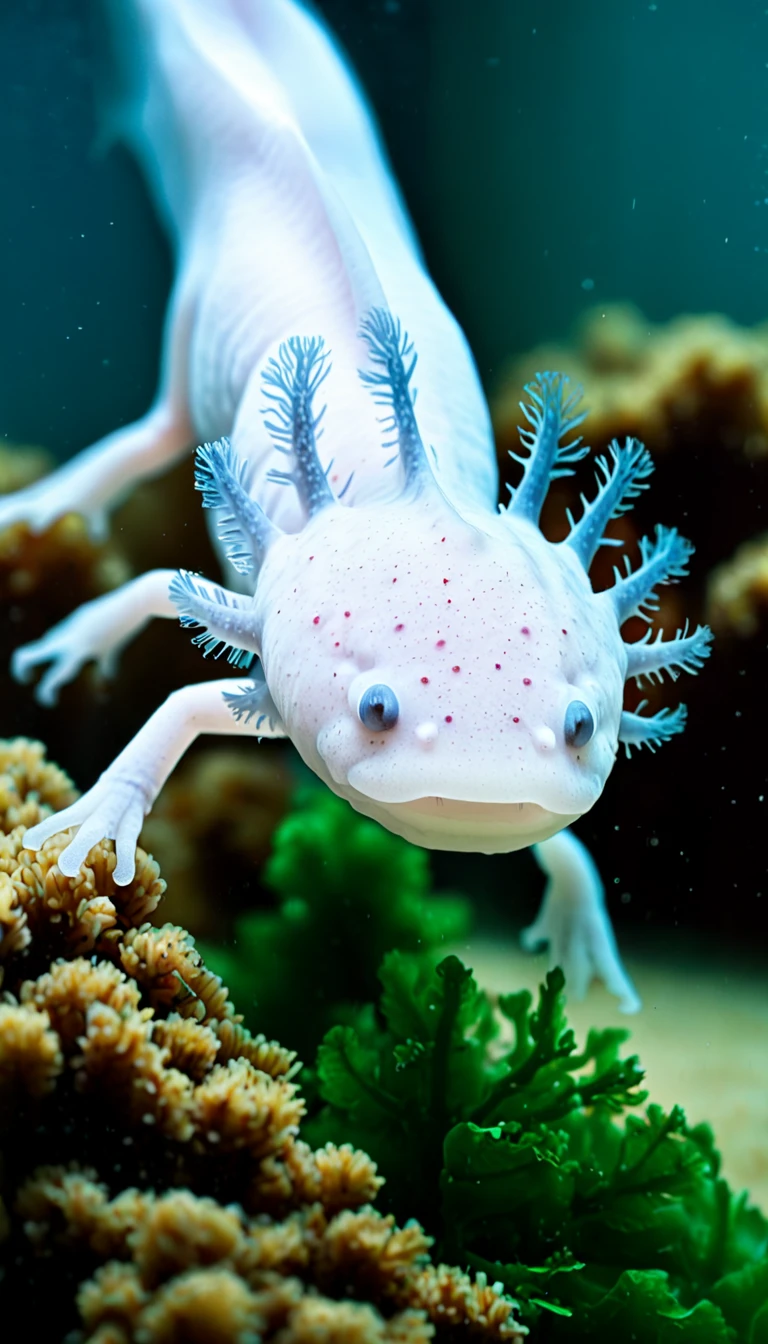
(152, 1175)
(179, 1266)
(60, 566)
(219, 809)
(669, 385)
(737, 590)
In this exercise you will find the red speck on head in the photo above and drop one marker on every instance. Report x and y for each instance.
(400, 627)
(515, 719)
(456, 668)
(347, 613)
(425, 681)
(449, 718)
(526, 681)
(394, 580)
(498, 667)
(565, 632)
(316, 620)
(524, 630)
(442, 538)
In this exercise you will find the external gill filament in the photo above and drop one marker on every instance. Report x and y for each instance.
(290, 383)
(245, 531)
(650, 658)
(664, 559)
(394, 361)
(226, 618)
(552, 415)
(652, 731)
(620, 480)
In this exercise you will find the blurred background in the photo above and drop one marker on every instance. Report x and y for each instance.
(552, 155)
(557, 159)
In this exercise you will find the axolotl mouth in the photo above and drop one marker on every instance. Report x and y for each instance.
(453, 824)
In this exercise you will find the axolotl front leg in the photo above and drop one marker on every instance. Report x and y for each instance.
(99, 630)
(116, 805)
(96, 632)
(118, 802)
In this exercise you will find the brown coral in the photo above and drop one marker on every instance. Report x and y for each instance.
(30, 1052)
(30, 786)
(737, 590)
(177, 1252)
(221, 806)
(236, 1042)
(59, 565)
(339, 1177)
(132, 1059)
(170, 970)
(69, 915)
(694, 376)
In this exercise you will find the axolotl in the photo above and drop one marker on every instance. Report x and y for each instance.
(433, 658)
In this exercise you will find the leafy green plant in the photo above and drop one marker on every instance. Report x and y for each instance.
(347, 892)
(524, 1158)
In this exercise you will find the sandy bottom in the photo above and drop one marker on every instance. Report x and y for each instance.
(702, 1037)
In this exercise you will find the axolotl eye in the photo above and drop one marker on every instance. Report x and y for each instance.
(579, 724)
(378, 708)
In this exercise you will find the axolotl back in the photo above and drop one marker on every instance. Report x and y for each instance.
(433, 658)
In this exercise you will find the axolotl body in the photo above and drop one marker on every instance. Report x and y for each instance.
(432, 657)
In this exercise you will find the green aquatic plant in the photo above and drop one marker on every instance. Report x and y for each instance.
(347, 893)
(529, 1161)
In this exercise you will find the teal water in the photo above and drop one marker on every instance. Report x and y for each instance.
(553, 155)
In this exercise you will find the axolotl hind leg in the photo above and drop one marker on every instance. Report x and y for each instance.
(574, 921)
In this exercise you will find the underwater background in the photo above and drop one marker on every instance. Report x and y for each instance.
(555, 158)
(582, 178)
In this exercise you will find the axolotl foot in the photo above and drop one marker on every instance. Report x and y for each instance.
(40, 505)
(574, 922)
(66, 648)
(114, 809)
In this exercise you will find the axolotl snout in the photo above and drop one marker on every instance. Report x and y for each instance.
(433, 657)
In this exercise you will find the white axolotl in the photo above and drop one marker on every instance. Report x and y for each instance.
(432, 657)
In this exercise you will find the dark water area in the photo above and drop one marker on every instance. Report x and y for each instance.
(553, 155)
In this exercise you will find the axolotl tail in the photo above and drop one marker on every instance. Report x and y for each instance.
(187, 62)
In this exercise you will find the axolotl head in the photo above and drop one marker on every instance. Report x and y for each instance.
(461, 685)
(454, 677)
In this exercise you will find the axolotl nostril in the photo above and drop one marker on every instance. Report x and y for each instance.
(434, 659)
